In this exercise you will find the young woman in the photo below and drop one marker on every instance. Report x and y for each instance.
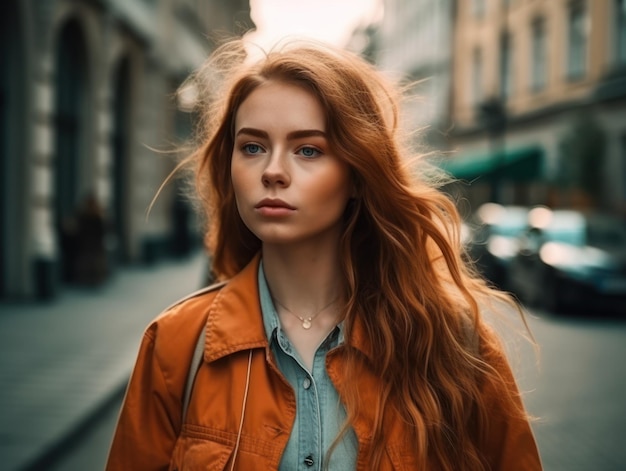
(347, 333)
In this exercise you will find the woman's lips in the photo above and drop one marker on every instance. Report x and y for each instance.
(274, 207)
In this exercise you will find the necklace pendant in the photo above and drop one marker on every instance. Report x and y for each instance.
(306, 324)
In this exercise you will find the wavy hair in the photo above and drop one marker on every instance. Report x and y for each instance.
(407, 282)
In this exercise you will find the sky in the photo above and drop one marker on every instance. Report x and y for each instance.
(326, 20)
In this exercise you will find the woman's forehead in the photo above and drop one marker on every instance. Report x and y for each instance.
(279, 103)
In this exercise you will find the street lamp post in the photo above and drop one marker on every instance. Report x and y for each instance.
(492, 112)
(492, 115)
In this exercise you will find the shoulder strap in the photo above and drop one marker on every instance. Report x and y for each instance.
(197, 293)
(193, 370)
(198, 350)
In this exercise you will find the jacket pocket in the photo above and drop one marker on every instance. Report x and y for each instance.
(194, 454)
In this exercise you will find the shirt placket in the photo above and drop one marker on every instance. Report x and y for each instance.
(310, 444)
(309, 421)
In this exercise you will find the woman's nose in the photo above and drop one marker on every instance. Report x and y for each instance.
(276, 172)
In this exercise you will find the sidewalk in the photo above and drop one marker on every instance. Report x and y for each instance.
(62, 362)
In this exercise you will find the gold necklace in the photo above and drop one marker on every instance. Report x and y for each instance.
(307, 321)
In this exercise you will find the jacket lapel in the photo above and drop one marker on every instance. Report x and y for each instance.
(235, 321)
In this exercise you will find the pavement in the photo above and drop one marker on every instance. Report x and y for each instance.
(64, 361)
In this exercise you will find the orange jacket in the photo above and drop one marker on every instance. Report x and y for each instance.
(147, 435)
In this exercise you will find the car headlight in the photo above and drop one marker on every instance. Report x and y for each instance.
(582, 261)
(503, 247)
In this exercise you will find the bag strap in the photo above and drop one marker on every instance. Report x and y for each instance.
(193, 371)
(199, 349)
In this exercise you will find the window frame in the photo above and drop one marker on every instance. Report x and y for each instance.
(577, 40)
(539, 55)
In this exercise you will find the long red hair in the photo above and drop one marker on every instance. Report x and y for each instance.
(406, 278)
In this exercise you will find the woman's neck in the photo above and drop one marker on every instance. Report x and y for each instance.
(306, 286)
(302, 279)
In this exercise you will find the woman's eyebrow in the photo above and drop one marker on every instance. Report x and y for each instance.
(253, 132)
(299, 134)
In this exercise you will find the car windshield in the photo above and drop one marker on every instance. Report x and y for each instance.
(568, 227)
(607, 233)
(512, 223)
(575, 229)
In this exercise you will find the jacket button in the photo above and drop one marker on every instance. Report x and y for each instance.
(309, 461)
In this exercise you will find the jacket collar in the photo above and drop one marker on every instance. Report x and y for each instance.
(235, 320)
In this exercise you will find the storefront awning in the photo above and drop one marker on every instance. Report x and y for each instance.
(522, 164)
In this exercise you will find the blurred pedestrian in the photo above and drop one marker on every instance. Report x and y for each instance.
(68, 240)
(181, 234)
(91, 257)
(347, 333)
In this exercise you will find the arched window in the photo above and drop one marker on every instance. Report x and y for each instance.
(620, 32)
(477, 77)
(539, 51)
(12, 126)
(121, 154)
(506, 65)
(70, 120)
(577, 31)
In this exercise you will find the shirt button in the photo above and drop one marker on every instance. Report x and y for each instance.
(306, 383)
(309, 461)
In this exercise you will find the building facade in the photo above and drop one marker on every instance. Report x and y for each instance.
(539, 101)
(414, 43)
(86, 97)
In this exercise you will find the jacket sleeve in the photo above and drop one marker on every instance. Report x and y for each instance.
(149, 420)
(509, 443)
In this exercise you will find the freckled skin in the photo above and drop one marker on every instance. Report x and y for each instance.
(281, 152)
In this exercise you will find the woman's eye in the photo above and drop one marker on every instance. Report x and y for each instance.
(252, 149)
(309, 152)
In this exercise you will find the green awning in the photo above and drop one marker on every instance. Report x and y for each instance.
(523, 164)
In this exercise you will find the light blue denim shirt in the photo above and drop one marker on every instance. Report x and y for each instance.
(319, 413)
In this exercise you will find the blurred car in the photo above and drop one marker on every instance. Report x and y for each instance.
(569, 260)
(494, 240)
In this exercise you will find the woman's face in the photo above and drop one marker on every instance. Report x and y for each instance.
(289, 186)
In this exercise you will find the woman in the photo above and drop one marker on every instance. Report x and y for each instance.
(347, 334)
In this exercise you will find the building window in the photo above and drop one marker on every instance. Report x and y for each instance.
(623, 160)
(620, 32)
(477, 77)
(478, 8)
(577, 41)
(539, 55)
(506, 66)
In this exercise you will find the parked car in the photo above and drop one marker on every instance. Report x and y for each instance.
(495, 239)
(569, 259)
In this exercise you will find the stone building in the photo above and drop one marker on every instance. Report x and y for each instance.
(86, 97)
(539, 101)
(414, 43)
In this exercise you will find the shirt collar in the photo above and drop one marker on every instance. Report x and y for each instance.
(270, 318)
(236, 319)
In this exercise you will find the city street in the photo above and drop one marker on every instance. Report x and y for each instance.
(116, 122)
(575, 393)
(64, 362)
